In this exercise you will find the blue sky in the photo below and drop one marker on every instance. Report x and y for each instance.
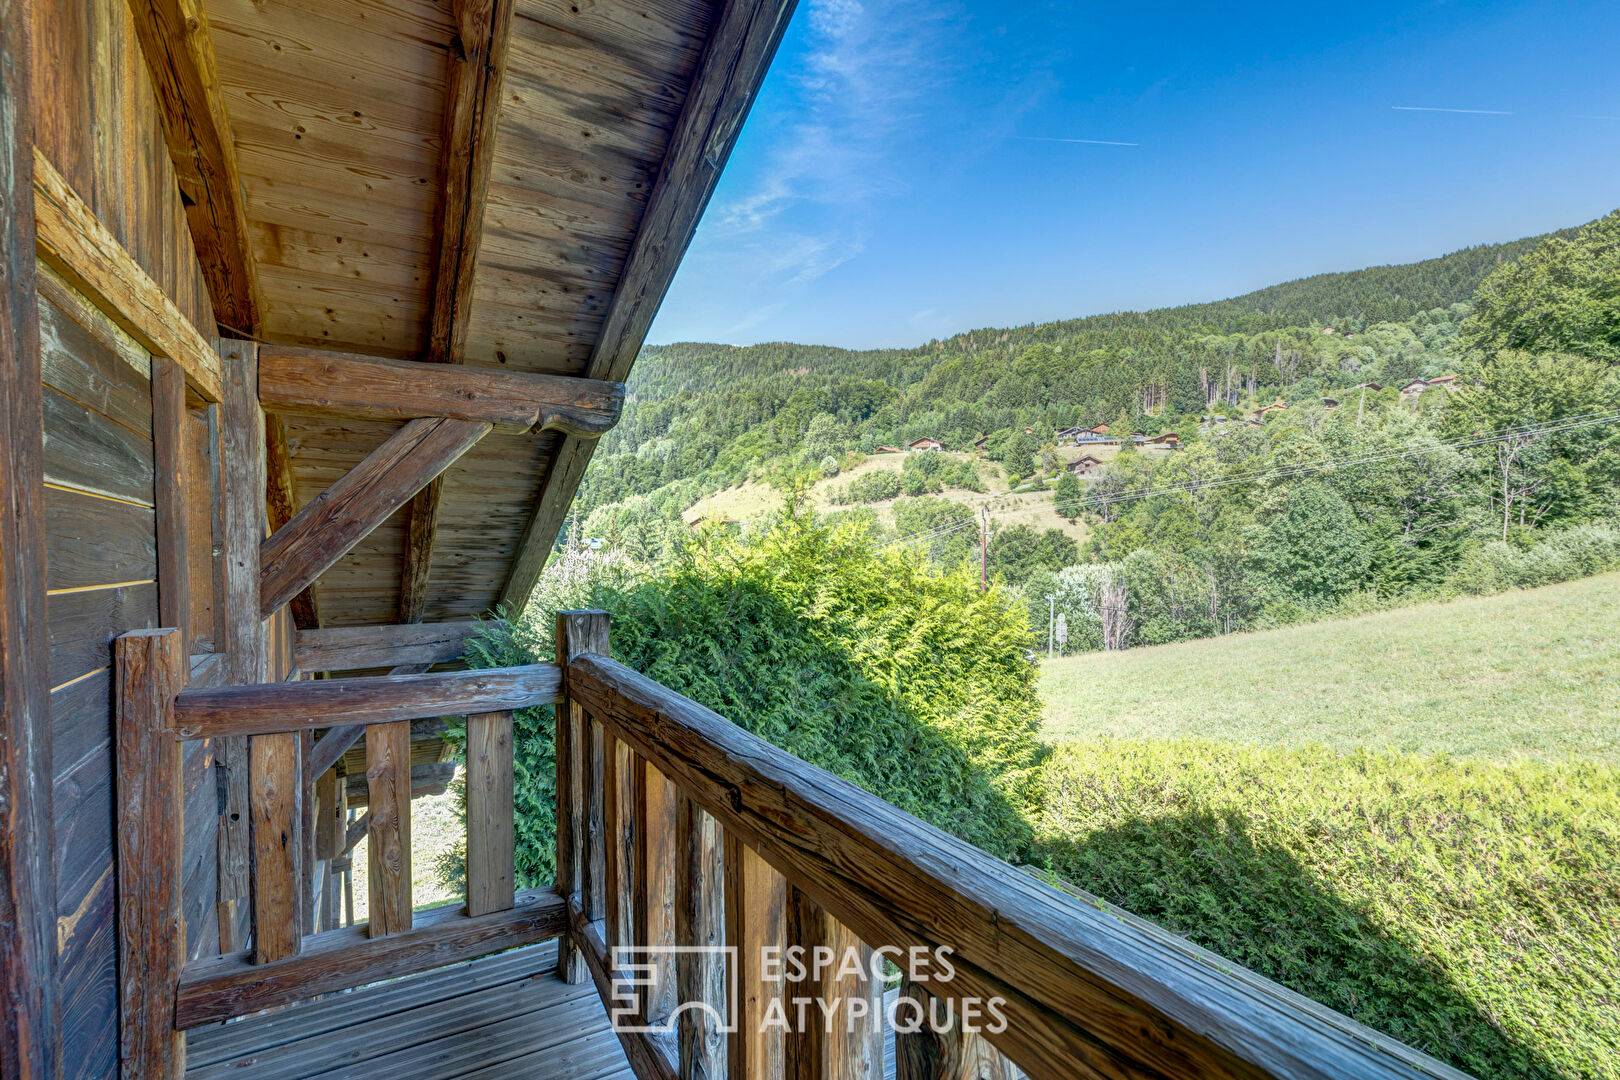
(914, 168)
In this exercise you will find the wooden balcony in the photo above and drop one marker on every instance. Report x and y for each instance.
(702, 849)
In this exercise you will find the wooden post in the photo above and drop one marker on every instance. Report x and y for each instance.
(653, 914)
(756, 910)
(844, 1041)
(700, 923)
(151, 815)
(388, 851)
(277, 817)
(171, 488)
(30, 1019)
(490, 867)
(938, 1048)
(244, 641)
(577, 632)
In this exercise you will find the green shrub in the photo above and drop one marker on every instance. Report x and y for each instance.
(875, 486)
(900, 677)
(1470, 909)
(1561, 556)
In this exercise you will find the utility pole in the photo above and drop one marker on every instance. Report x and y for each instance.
(1051, 614)
(984, 543)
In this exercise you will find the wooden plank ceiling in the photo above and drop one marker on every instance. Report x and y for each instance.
(467, 181)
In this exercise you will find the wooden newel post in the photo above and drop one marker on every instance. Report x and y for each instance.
(151, 814)
(581, 859)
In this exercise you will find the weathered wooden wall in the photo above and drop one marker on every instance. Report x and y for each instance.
(101, 580)
(96, 121)
(95, 117)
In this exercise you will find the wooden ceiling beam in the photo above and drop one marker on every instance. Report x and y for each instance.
(744, 38)
(472, 109)
(351, 385)
(179, 52)
(345, 513)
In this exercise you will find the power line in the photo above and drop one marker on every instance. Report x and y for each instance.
(1284, 472)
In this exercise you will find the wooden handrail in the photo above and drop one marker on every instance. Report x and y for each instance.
(379, 699)
(1086, 993)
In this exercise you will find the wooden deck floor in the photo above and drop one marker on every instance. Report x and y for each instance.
(505, 1016)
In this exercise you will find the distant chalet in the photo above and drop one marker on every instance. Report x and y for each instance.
(1084, 465)
(916, 445)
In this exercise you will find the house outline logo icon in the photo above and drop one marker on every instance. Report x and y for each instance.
(636, 967)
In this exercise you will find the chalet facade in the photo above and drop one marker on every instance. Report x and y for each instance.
(1084, 465)
(312, 315)
(925, 443)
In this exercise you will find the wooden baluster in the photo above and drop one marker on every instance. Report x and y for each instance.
(843, 1041)
(307, 801)
(939, 1048)
(618, 794)
(388, 848)
(593, 897)
(332, 823)
(654, 908)
(756, 916)
(489, 813)
(276, 818)
(577, 631)
(700, 922)
(151, 813)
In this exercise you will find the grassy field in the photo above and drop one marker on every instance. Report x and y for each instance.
(1412, 817)
(1532, 674)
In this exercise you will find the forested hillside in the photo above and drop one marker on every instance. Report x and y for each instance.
(703, 416)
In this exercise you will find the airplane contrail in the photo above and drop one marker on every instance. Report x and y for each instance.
(1087, 142)
(1432, 108)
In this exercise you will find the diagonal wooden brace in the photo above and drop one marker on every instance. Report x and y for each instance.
(345, 513)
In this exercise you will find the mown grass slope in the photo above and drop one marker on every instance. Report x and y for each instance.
(1530, 674)
(1465, 899)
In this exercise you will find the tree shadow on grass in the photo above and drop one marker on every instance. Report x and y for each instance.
(1203, 877)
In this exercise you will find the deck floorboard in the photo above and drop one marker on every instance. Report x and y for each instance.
(501, 1016)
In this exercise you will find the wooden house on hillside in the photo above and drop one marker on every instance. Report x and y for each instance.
(1084, 465)
(925, 443)
(311, 315)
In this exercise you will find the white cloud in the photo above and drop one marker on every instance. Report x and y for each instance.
(861, 87)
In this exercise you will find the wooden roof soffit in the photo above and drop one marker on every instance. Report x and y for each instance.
(179, 51)
(352, 385)
(472, 108)
(741, 46)
(74, 243)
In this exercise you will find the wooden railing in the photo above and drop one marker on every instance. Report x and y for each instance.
(708, 853)
(678, 828)
(284, 964)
